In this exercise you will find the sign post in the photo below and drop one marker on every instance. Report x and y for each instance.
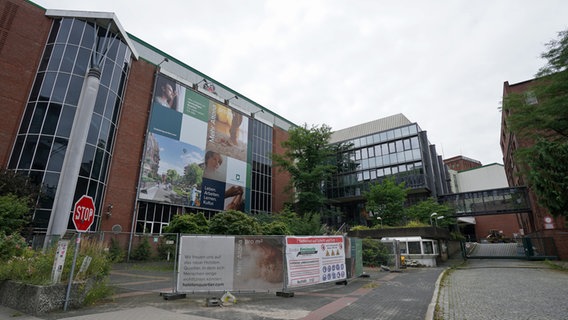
(83, 218)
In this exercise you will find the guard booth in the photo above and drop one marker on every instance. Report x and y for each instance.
(416, 250)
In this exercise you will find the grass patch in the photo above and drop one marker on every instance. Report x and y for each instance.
(153, 266)
(556, 266)
(371, 285)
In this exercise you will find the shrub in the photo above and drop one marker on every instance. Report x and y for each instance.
(275, 228)
(35, 267)
(142, 251)
(359, 227)
(375, 253)
(416, 224)
(115, 252)
(234, 222)
(165, 250)
(11, 245)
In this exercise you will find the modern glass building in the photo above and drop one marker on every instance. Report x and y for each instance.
(88, 109)
(386, 147)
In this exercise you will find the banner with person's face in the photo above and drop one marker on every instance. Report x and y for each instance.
(196, 151)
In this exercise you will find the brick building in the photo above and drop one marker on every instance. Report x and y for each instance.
(542, 223)
(140, 154)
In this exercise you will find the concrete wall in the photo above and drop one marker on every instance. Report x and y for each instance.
(37, 300)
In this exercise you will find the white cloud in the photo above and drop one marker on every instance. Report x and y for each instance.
(441, 63)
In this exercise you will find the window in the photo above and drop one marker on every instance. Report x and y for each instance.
(428, 247)
(414, 247)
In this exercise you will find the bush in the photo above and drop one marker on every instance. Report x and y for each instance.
(234, 222)
(142, 251)
(115, 252)
(275, 228)
(359, 227)
(416, 224)
(375, 253)
(35, 267)
(11, 246)
(166, 251)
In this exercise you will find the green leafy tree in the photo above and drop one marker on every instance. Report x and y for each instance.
(386, 199)
(234, 222)
(375, 253)
(308, 224)
(192, 223)
(17, 197)
(14, 213)
(423, 210)
(548, 176)
(306, 159)
(193, 175)
(172, 176)
(539, 116)
(275, 228)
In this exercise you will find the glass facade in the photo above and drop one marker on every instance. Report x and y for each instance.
(371, 158)
(402, 152)
(44, 132)
(261, 191)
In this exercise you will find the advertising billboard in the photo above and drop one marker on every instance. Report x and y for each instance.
(230, 263)
(196, 151)
(313, 260)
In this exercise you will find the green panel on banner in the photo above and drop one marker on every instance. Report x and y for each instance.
(196, 106)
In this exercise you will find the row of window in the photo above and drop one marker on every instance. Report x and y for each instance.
(386, 149)
(385, 136)
(261, 184)
(46, 124)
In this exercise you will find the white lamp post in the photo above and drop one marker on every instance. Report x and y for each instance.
(431, 217)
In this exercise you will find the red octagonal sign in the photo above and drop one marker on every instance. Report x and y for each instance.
(84, 213)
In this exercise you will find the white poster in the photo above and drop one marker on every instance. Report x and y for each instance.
(206, 264)
(313, 260)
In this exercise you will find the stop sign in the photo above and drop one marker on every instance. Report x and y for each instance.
(84, 213)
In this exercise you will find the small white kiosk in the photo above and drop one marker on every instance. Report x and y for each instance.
(423, 251)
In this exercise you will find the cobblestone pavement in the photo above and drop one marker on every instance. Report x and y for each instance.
(504, 289)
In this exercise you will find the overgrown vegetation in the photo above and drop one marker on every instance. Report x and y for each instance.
(115, 252)
(375, 253)
(17, 197)
(34, 267)
(143, 250)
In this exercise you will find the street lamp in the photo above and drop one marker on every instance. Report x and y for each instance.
(431, 217)
(379, 218)
(438, 218)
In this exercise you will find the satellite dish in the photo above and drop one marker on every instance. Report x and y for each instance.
(116, 228)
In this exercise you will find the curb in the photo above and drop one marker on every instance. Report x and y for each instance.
(432, 305)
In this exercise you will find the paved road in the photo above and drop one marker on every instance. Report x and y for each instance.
(504, 289)
(478, 289)
(383, 295)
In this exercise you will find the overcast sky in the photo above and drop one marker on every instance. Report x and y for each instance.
(442, 63)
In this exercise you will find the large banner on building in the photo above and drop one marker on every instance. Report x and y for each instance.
(312, 260)
(231, 263)
(196, 151)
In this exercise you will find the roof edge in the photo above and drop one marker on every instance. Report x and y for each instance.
(57, 13)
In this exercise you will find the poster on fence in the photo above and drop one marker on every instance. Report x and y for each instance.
(217, 263)
(312, 260)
